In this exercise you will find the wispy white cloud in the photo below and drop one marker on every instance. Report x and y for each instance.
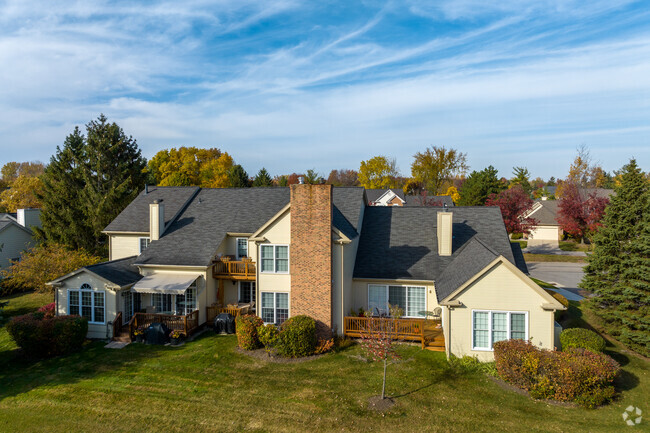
(291, 86)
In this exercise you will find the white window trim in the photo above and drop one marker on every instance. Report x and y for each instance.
(92, 308)
(275, 309)
(237, 248)
(140, 243)
(426, 300)
(275, 258)
(490, 330)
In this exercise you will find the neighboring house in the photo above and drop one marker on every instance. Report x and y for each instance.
(181, 255)
(16, 235)
(396, 197)
(546, 213)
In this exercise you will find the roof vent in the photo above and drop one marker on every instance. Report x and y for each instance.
(301, 180)
(146, 189)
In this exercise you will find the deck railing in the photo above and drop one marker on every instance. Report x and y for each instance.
(403, 329)
(213, 310)
(185, 324)
(235, 269)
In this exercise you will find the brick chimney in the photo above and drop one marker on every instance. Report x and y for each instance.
(311, 254)
(445, 235)
(156, 219)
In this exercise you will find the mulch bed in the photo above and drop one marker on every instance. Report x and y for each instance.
(261, 355)
(379, 404)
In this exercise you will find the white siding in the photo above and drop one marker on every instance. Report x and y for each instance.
(13, 240)
(124, 246)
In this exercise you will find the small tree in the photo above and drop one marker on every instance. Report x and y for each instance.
(378, 340)
(263, 178)
(42, 264)
(514, 203)
(378, 172)
(578, 215)
(238, 177)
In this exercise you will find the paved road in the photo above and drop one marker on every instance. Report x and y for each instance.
(563, 275)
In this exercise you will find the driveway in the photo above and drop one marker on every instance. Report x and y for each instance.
(565, 276)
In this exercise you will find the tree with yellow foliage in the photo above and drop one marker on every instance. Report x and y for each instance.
(191, 166)
(438, 165)
(378, 172)
(453, 192)
(22, 194)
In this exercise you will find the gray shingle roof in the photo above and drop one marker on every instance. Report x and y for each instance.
(120, 272)
(470, 260)
(135, 217)
(401, 242)
(347, 202)
(439, 200)
(193, 238)
(547, 213)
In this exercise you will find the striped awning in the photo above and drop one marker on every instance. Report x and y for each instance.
(171, 284)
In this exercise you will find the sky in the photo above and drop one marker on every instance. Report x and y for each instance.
(290, 85)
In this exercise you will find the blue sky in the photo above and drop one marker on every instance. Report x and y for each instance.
(295, 85)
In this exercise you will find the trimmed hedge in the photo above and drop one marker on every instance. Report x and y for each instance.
(581, 338)
(297, 337)
(246, 326)
(577, 375)
(268, 336)
(43, 336)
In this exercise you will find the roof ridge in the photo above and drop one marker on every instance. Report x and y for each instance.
(110, 261)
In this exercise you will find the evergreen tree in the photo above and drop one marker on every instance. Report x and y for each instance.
(263, 178)
(88, 183)
(478, 187)
(238, 177)
(521, 177)
(618, 271)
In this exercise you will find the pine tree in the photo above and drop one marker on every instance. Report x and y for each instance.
(478, 187)
(88, 183)
(263, 178)
(617, 271)
(238, 177)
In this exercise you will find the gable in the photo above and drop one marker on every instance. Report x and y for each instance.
(501, 286)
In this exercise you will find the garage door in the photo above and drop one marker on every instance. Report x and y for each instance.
(545, 233)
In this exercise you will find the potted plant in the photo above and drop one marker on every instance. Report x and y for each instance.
(175, 337)
(139, 335)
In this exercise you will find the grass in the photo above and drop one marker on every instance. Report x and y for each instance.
(553, 258)
(522, 244)
(206, 385)
(574, 246)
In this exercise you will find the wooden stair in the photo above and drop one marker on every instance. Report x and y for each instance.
(434, 341)
(123, 337)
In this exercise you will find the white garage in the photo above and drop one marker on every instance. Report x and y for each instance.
(545, 233)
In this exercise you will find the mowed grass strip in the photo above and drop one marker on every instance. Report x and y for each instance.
(206, 385)
(553, 258)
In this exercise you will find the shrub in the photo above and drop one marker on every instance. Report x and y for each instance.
(47, 310)
(324, 346)
(581, 338)
(298, 337)
(42, 336)
(577, 375)
(516, 236)
(247, 331)
(268, 336)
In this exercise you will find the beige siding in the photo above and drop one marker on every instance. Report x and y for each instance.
(279, 232)
(499, 289)
(101, 330)
(360, 292)
(124, 246)
(13, 241)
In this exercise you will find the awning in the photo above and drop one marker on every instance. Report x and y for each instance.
(171, 284)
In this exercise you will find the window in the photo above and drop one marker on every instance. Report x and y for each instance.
(489, 327)
(275, 258)
(186, 303)
(411, 299)
(87, 303)
(162, 302)
(275, 307)
(144, 243)
(242, 247)
(246, 292)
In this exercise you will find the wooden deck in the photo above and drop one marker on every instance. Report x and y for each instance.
(226, 268)
(214, 309)
(427, 332)
(186, 324)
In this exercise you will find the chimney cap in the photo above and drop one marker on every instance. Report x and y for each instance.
(157, 201)
(301, 180)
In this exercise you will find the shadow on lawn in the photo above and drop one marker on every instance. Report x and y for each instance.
(21, 374)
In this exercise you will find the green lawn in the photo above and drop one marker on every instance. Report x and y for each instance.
(522, 244)
(206, 386)
(553, 258)
(574, 246)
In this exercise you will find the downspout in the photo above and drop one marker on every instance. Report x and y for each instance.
(342, 242)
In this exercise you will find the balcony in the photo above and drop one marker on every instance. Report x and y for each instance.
(227, 269)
